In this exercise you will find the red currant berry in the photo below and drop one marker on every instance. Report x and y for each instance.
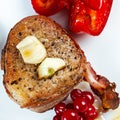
(91, 112)
(82, 115)
(81, 118)
(57, 117)
(81, 104)
(89, 95)
(70, 106)
(70, 114)
(75, 93)
(60, 108)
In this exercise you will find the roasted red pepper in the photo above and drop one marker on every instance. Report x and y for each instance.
(88, 16)
(83, 18)
(49, 7)
(93, 4)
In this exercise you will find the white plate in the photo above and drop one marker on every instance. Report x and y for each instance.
(102, 51)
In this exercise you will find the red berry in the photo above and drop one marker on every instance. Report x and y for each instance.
(80, 109)
(89, 95)
(91, 113)
(57, 117)
(75, 93)
(60, 108)
(81, 104)
(70, 114)
(82, 117)
(70, 106)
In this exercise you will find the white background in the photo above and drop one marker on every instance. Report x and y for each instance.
(102, 51)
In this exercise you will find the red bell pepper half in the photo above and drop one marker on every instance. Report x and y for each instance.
(93, 4)
(85, 19)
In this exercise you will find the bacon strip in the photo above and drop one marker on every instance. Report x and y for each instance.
(103, 88)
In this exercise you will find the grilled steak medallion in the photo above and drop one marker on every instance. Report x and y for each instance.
(21, 79)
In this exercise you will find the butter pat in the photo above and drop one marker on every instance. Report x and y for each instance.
(32, 50)
(49, 66)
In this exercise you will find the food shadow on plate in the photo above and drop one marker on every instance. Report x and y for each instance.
(2, 39)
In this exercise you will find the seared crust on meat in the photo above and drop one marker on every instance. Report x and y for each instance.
(21, 80)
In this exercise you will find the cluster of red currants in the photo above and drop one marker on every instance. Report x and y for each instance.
(81, 107)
